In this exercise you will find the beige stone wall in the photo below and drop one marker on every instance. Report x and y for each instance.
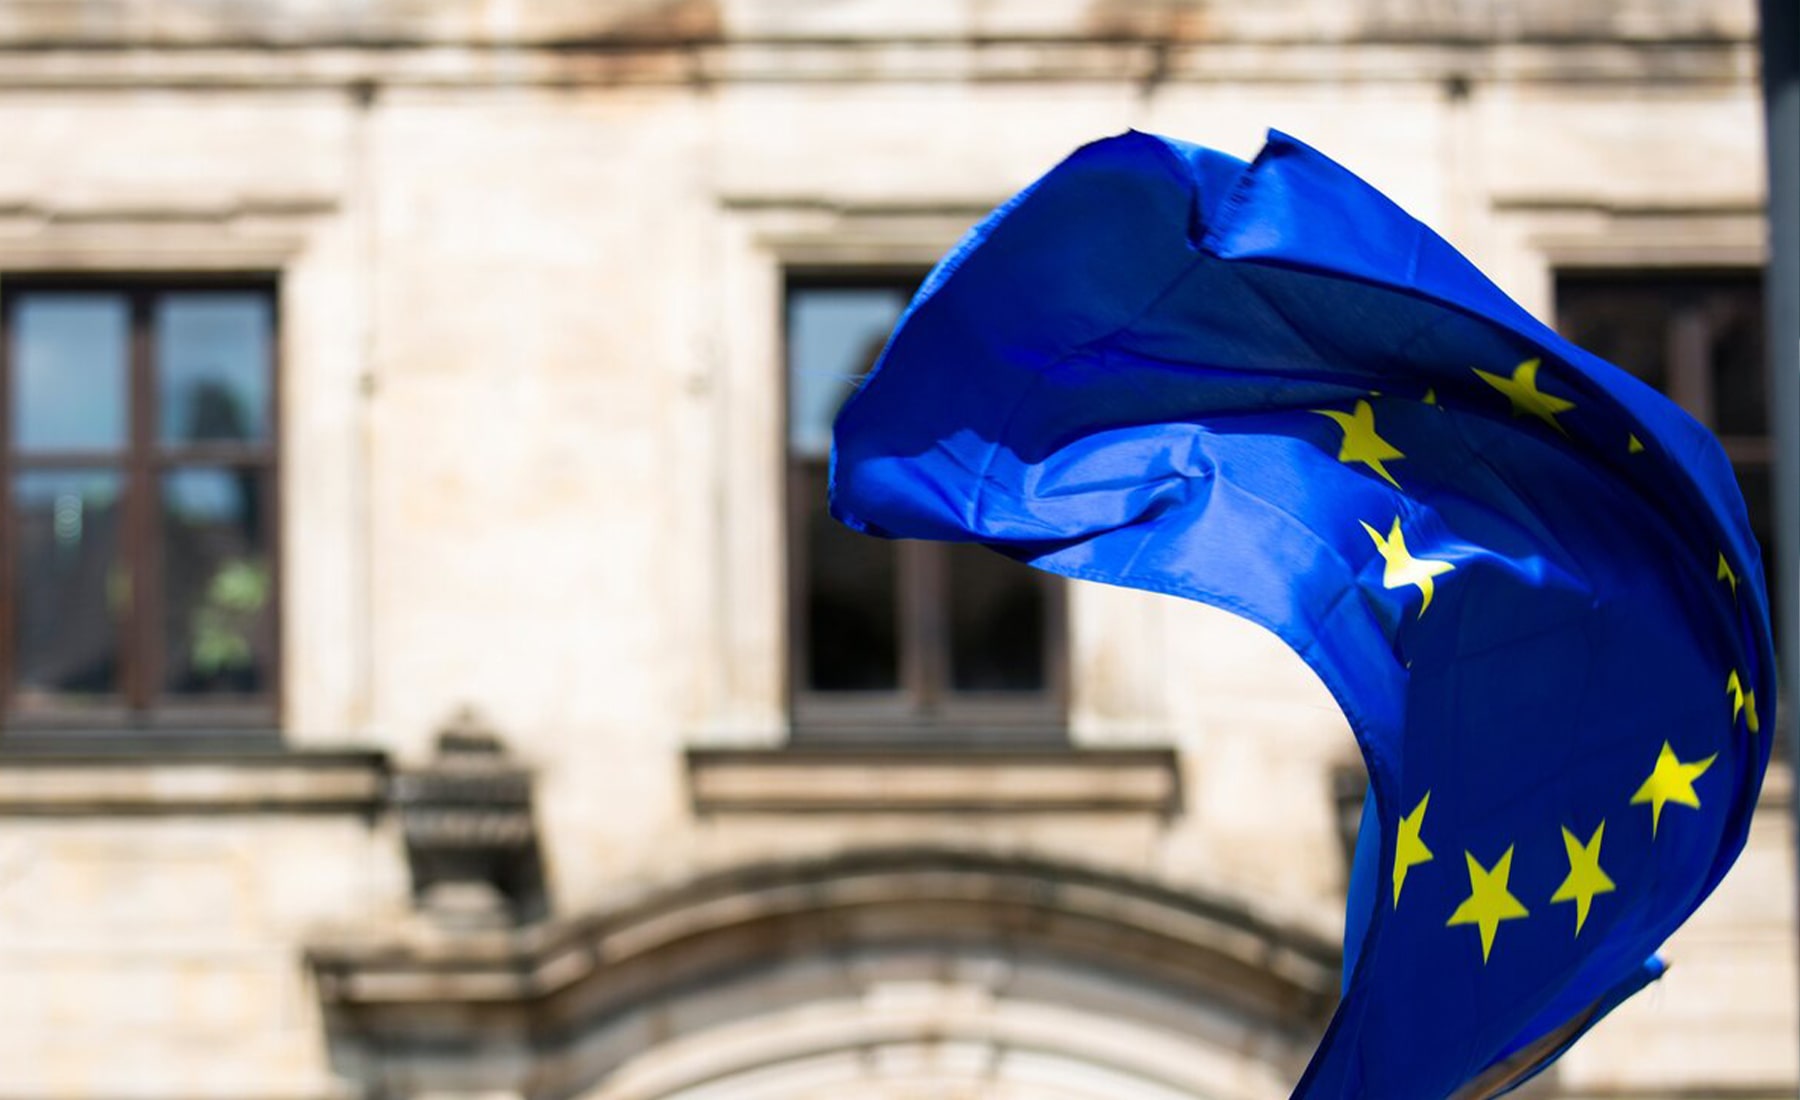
(530, 260)
(160, 957)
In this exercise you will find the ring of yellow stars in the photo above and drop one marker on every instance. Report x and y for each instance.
(1361, 443)
(1726, 575)
(1409, 850)
(1671, 781)
(1586, 880)
(1741, 699)
(1489, 902)
(1404, 569)
(1527, 400)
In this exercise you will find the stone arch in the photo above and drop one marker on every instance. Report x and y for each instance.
(887, 975)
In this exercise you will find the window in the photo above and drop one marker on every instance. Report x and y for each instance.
(899, 637)
(138, 450)
(1698, 337)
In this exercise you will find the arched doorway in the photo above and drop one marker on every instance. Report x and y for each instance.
(891, 975)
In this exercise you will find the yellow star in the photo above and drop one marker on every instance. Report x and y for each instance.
(1586, 879)
(1740, 699)
(1726, 575)
(1527, 400)
(1361, 444)
(1404, 569)
(1634, 445)
(1671, 781)
(1488, 903)
(1409, 850)
(1431, 396)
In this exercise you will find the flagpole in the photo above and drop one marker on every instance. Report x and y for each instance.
(1781, 101)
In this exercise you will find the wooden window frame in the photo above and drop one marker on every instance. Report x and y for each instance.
(1690, 382)
(923, 706)
(141, 461)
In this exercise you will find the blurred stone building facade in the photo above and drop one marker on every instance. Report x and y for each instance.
(427, 673)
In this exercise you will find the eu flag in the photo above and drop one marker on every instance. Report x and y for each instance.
(1526, 578)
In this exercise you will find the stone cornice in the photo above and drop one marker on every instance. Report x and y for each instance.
(707, 60)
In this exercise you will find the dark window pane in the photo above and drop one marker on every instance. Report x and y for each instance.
(71, 589)
(217, 593)
(213, 366)
(997, 620)
(834, 336)
(1621, 320)
(1696, 336)
(70, 355)
(1740, 396)
(912, 627)
(852, 634)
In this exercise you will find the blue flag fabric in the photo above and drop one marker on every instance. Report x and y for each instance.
(1526, 578)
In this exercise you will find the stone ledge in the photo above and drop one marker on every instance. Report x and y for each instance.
(933, 779)
(95, 784)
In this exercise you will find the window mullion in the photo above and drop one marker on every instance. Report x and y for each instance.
(1690, 366)
(923, 624)
(8, 535)
(270, 626)
(800, 673)
(139, 606)
(1056, 639)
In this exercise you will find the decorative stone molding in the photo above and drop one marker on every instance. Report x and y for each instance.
(466, 818)
(159, 232)
(543, 1004)
(950, 778)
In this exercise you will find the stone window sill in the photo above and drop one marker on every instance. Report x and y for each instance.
(933, 779)
(96, 780)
